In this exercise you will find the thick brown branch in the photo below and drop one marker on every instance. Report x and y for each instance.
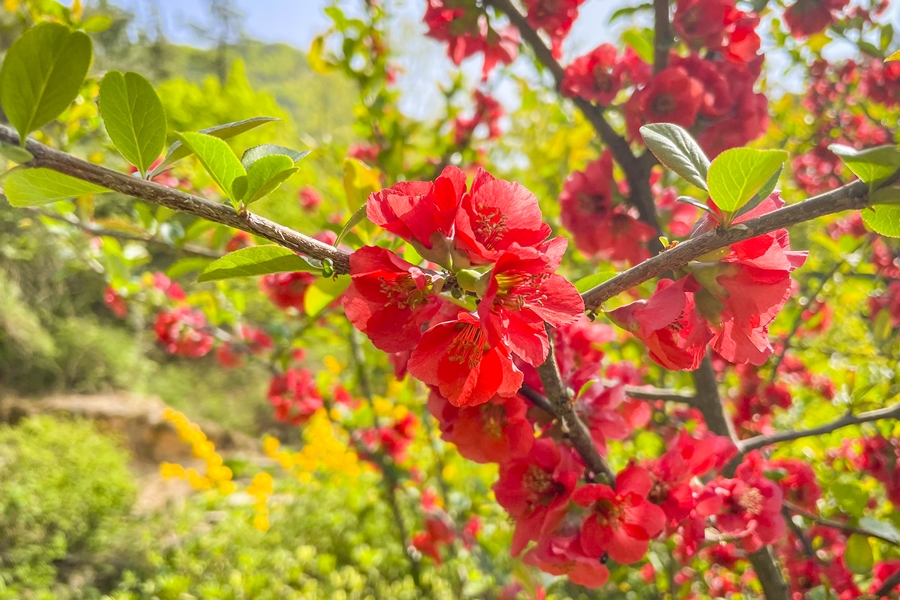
(662, 38)
(569, 422)
(47, 157)
(126, 237)
(853, 196)
(637, 169)
(761, 441)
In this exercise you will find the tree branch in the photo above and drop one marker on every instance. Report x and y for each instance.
(47, 157)
(888, 586)
(662, 38)
(667, 395)
(761, 441)
(637, 169)
(853, 196)
(128, 237)
(837, 525)
(570, 424)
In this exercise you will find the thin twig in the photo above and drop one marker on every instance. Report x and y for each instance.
(570, 424)
(888, 586)
(761, 441)
(804, 541)
(837, 525)
(662, 38)
(853, 196)
(150, 191)
(127, 237)
(667, 395)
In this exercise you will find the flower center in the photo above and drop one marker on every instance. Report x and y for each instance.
(751, 501)
(516, 289)
(602, 79)
(403, 292)
(493, 418)
(663, 104)
(490, 226)
(468, 346)
(606, 511)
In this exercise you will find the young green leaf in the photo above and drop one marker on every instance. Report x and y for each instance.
(42, 74)
(359, 182)
(134, 116)
(218, 160)
(257, 260)
(16, 154)
(858, 554)
(893, 57)
(677, 150)
(251, 155)
(870, 165)
(884, 215)
(696, 204)
(639, 43)
(265, 175)
(352, 222)
(177, 151)
(593, 280)
(737, 175)
(97, 23)
(762, 194)
(884, 529)
(34, 187)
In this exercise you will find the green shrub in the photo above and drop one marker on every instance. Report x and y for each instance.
(65, 489)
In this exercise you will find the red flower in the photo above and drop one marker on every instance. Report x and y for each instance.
(228, 357)
(594, 76)
(668, 325)
(561, 554)
(494, 215)
(181, 331)
(294, 396)
(535, 490)
(673, 471)
(438, 532)
(309, 198)
(239, 240)
(586, 199)
(522, 294)
(487, 111)
(421, 213)
(799, 483)
(746, 289)
(808, 17)
(115, 302)
(555, 17)
(701, 22)
(621, 522)
(494, 432)
(455, 357)
(389, 299)
(287, 290)
(255, 340)
(747, 507)
(672, 96)
(168, 287)
(881, 572)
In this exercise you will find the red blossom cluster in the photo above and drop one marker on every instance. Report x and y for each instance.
(488, 112)
(467, 31)
(182, 331)
(808, 17)
(294, 396)
(726, 301)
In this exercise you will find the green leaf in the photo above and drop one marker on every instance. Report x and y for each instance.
(884, 216)
(257, 152)
(34, 187)
(850, 497)
(629, 11)
(640, 44)
(593, 280)
(16, 154)
(677, 150)
(762, 194)
(177, 151)
(696, 204)
(97, 23)
(134, 116)
(187, 265)
(858, 555)
(322, 293)
(737, 175)
(352, 222)
(265, 175)
(42, 74)
(217, 158)
(893, 57)
(257, 260)
(881, 528)
(870, 165)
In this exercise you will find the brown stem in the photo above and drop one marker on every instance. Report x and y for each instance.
(662, 38)
(761, 441)
(710, 404)
(127, 237)
(637, 169)
(837, 525)
(888, 586)
(667, 395)
(570, 424)
(853, 196)
(177, 200)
